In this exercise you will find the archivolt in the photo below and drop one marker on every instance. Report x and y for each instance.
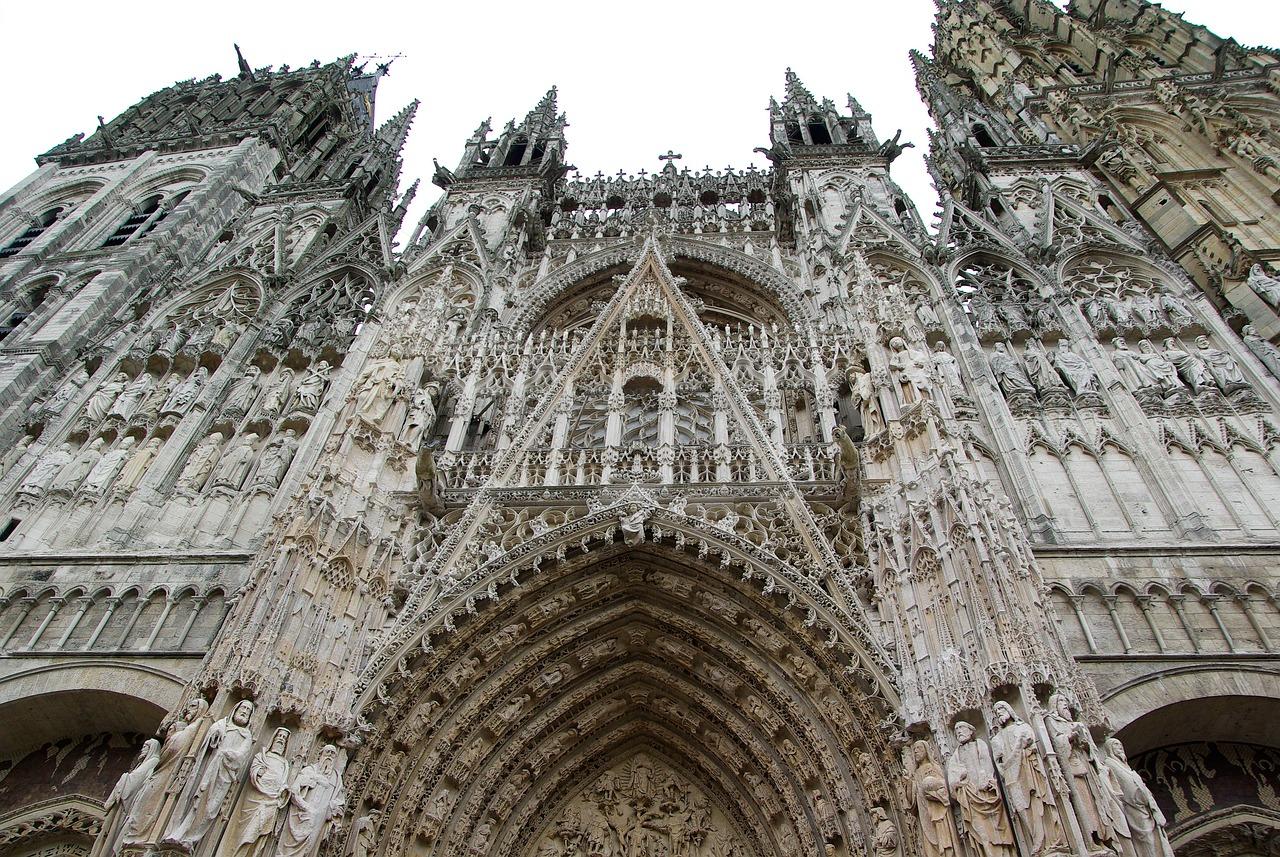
(621, 651)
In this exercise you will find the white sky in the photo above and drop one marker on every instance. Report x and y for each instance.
(635, 78)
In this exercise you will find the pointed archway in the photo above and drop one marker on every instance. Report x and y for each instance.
(627, 700)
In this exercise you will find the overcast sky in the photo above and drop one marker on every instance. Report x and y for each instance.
(635, 79)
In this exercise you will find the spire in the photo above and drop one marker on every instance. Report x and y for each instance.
(797, 95)
(396, 129)
(543, 118)
(245, 70)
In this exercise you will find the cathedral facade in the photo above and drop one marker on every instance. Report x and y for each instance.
(684, 514)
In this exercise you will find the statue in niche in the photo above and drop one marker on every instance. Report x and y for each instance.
(1266, 287)
(136, 467)
(176, 339)
(200, 463)
(1040, 369)
(176, 753)
(1266, 352)
(275, 460)
(108, 466)
(1009, 371)
(235, 464)
(364, 834)
(1146, 822)
(57, 403)
(46, 470)
(272, 403)
(947, 367)
(316, 798)
(928, 795)
(632, 524)
(70, 477)
(971, 777)
(14, 454)
(912, 366)
(121, 798)
(95, 410)
(864, 394)
(1026, 785)
(311, 388)
(422, 414)
(1133, 371)
(1100, 818)
(1163, 373)
(131, 396)
(1079, 374)
(1176, 310)
(149, 412)
(379, 385)
(1222, 367)
(184, 395)
(884, 836)
(1191, 367)
(265, 794)
(217, 772)
(243, 392)
(1145, 309)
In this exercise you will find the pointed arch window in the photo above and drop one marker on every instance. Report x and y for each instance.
(32, 232)
(515, 154)
(983, 137)
(145, 218)
(819, 134)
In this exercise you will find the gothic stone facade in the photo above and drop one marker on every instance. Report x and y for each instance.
(693, 514)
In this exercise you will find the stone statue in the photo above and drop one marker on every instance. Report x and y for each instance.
(243, 392)
(95, 410)
(947, 367)
(364, 834)
(272, 403)
(184, 395)
(1133, 371)
(1009, 371)
(104, 472)
(1222, 366)
(422, 415)
(927, 794)
(265, 794)
(311, 388)
(971, 777)
(217, 772)
(70, 477)
(176, 752)
(235, 464)
(378, 387)
(1099, 816)
(136, 468)
(1267, 287)
(200, 463)
(1176, 311)
(1146, 821)
(864, 394)
(849, 465)
(46, 470)
(127, 402)
(912, 366)
(149, 412)
(1163, 373)
(632, 524)
(1192, 368)
(316, 798)
(884, 836)
(1040, 369)
(1267, 353)
(276, 457)
(121, 798)
(1026, 785)
(57, 403)
(1079, 374)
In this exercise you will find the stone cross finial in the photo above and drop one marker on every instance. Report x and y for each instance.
(670, 156)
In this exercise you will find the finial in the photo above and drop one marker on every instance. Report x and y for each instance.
(246, 71)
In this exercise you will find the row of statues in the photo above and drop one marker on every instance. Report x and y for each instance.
(1178, 370)
(205, 775)
(1041, 371)
(997, 798)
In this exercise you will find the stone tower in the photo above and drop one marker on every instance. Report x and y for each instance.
(686, 513)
